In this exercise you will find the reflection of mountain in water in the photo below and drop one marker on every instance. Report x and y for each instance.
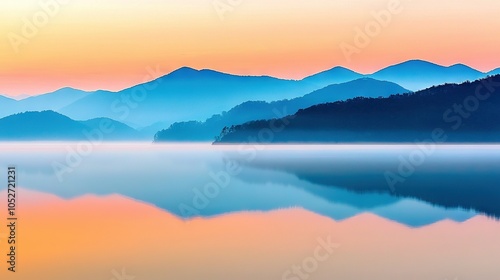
(321, 181)
(92, 233)
(467, 179)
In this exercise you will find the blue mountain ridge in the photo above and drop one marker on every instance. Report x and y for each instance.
(189, 94)
(397, 118)
(182, 95)
(336, 75)
(413, 74)
(52, 126)
(50, 101)
(418, 74)
(257, 110)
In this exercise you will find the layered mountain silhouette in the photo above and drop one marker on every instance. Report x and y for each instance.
(49, 125)
(462, 113)
(182, 95)
(53, 101)
(6, 103)
(419, 74)
(336, 75)
(413, 75)
(464, 184)
(189, 98)
(256, 110)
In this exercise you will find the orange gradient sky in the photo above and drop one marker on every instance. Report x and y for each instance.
(91, 44)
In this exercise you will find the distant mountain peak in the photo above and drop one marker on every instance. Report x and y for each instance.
(335, 70)
(67, 88)
(418, 61)
(181, 73)
(414, 63)
(340, 68)
(459, 65)
(367, 79)
(367, 83)
(46, 114)
(183, 70)
(63, 90)
(191, 73)
(462, 67)
(335, 75)
(423, 63)
(420, 74)
(48, 125)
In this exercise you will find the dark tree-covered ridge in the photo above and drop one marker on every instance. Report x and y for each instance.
(468, 112)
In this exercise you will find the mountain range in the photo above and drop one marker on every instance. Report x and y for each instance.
(336, 75)
(182, 95)
(187, 99)
(417, 74)
(413, 75)
(458, 113)
(50, 101)
(256, 110)
(167, 99)
(52, 126)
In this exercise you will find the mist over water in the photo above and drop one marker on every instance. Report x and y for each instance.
(191, 180)
(142, 207)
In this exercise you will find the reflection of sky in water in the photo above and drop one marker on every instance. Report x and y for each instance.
(328, 180)
(89, 237)
(67, 232)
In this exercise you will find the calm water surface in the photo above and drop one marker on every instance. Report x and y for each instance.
(196, 211)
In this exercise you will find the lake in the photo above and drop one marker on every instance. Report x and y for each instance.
(197, 211)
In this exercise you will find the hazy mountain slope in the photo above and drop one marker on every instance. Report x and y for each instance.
(182, 95)
(46, 125)
(418, 74)
(52, 126)
(52, 101)
(113, 130)
(6, 104)
(257, 110)
(49, 101)
(336, 75)
(188, 94)
(468, 112)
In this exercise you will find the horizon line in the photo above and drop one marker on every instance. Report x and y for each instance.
(26, 96)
